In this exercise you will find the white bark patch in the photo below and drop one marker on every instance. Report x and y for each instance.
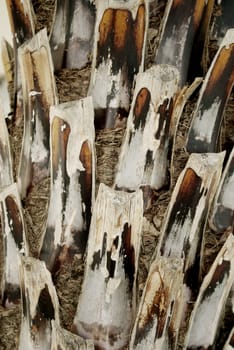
(107, 302)
(6, 175)
(134, 169)
(182, 231)
(39, 93)
(211, 300)
(224, 200)
(13, 248)
(36, 329)
(67, 207)
(204, 124)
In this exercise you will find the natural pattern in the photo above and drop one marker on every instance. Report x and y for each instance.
(85, 294)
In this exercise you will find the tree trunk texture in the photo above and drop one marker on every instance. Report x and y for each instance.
(118, 55)
(207, 118)
(110, 234)
(222, 217)
(144, 157)
(207, 314)
(72, 182)
(155, 327)
(180, 25)
(71, 38)
(39, 93)
(81, 32)
(182, 231)
(40, 306)
(107, 303)
(14, 243)
(7, 55)
(224, 21)
(21, 17)
(6, 173)
(22, 22)
(58, 33)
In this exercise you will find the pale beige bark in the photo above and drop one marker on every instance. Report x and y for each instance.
(39, 93)
(155, 328)
(107, 303)
(72, 187)
(180, 25)
(6, 173)
(207, 119)
(206, 316)
(118, 55)
(81, 33)
(222, 217)
(14, 243)
(40, 306)
(144, 157)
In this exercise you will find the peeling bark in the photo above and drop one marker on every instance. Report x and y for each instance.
(118, 55)
(58, 33)
(6, 173)
(186, 216)
(222, 217)
(39, 93)
(208, 115)
(72, 182)
(180, 25)
(21, 17)
(81, 31)
(14, 243)
(155, 328)
(107, 303)
(183, 96)
(207, 314)
(144, 157)
(40, 306)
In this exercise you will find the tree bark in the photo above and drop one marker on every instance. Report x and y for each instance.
(144, 157)
(14, 243)
(222, 217)
(154, 326)
(39, 93)
(207, 119)
(180, 25)
(182, 231)
(207, 314)
(6, 173)
(81, 32)
(118, 55)
(59, 32)
(40, 306)
(107, 303)
(72, 182)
